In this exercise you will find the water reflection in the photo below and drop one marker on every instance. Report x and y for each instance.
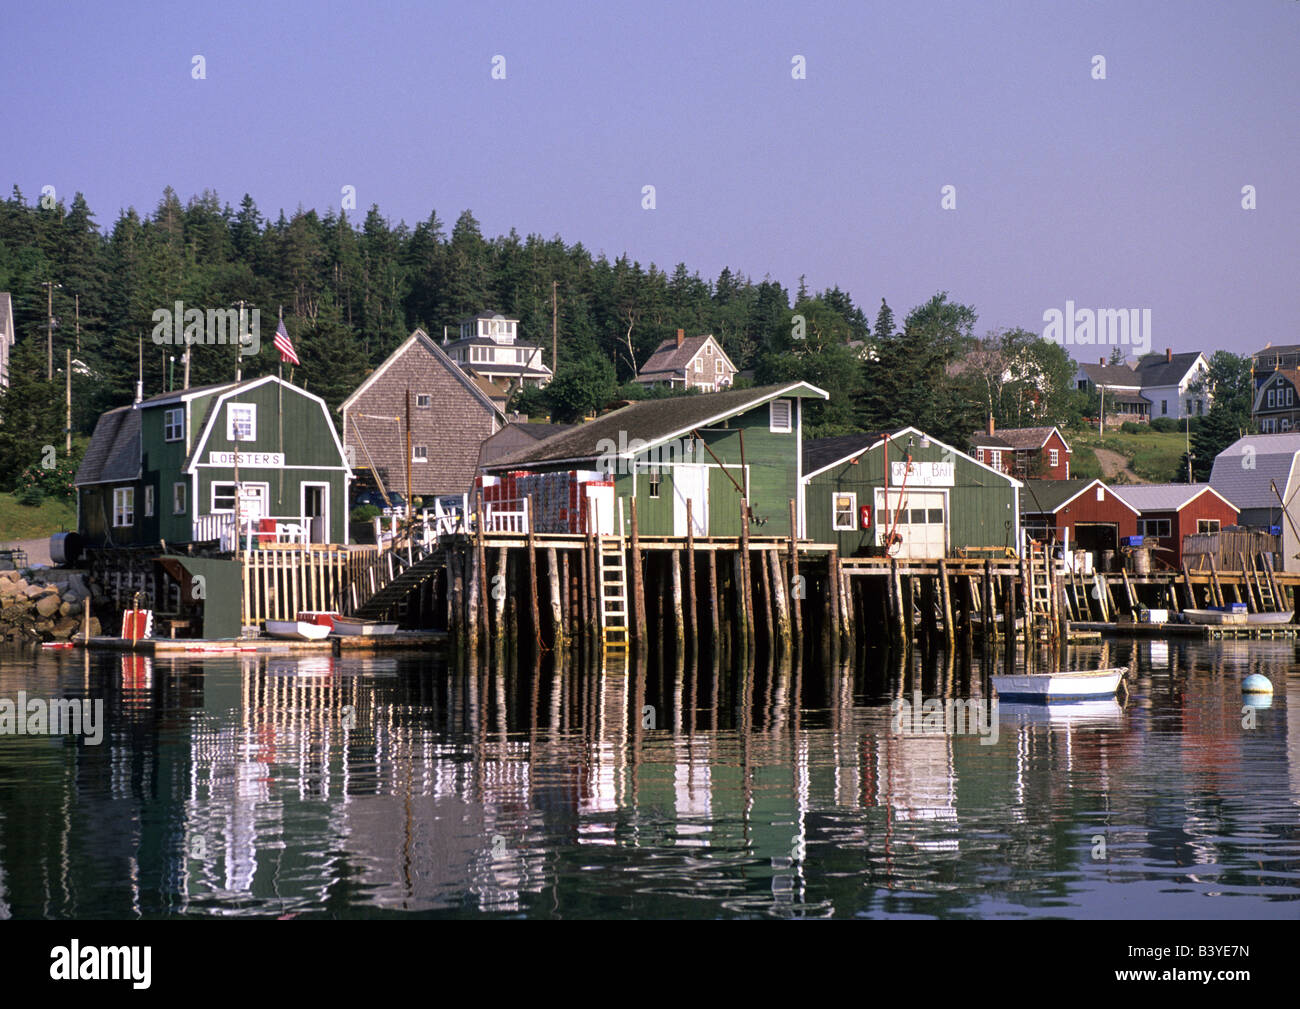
(318, 785)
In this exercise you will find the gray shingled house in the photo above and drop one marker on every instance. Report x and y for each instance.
(451, 417)
(697, 362)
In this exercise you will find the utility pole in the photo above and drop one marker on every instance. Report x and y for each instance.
(76, 301)
(49, 286)
(554, 327)
(68, 440)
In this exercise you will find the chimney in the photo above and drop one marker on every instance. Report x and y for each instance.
(1169, 355)
(681, 335)
(990, 425)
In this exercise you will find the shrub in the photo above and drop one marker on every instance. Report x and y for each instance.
(1131, 427)
(1165, 425)
(364, 513)
(31, 495)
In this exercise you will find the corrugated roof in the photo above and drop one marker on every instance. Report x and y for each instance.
(1148, 497)
(114, 451)
(651, 421)
(1242, 471)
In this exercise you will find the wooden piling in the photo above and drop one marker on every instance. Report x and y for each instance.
(638, 628)
(679, 622)
(534, 613)
(945, 593)
(692, 600)
(796, 586)
(557, 612)
(780, 603)
(990, 608)
(713, 599)
(900, 617)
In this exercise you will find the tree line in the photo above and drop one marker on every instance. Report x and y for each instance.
(350, 292)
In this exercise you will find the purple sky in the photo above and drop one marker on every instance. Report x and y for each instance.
(1115, 193)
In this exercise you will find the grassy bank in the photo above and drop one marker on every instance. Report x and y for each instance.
(1153, 456)
(21, 522)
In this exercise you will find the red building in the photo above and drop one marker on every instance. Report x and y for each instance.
(1026, 453)
(1082, 514)
(1170, 511)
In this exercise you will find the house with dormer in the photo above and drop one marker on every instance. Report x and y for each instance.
(696, 362)
(1276, 407)
(488, 348)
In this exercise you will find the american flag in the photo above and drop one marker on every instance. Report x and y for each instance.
(284, 345)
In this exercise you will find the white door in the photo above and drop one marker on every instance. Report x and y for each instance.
(920, 518)
(252, 501)
(600, 508)
(691, 483)
(316, 511)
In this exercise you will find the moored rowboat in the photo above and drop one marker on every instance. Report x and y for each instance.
(363, 628)
(296, 630)
(1060, 686)
(1284, 617)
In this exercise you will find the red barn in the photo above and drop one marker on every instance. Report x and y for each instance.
(1026, 453)
(1083, 514)
(1170, 511)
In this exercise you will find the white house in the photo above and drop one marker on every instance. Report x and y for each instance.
(489, 347)
(1155, 385)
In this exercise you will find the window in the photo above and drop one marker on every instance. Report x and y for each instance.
(1153, 527)
(423, 399)
(1101, 493)
(781, 414)
(1285, 425)
(419, 453)
(1189, 406)
(980, 455)
(223, 498)
(178, 498)
(241, 421)
(1164, 406)
(1290, 396)
(148, 502)
(699, 365)
(123, 507)
(1266, 425)
(995, 459)
(173, 425)
(935, 516)
(1207, 525)
(1270, 397)
(1054, 457)
(844, 509)
(717, 366)
(656, 478)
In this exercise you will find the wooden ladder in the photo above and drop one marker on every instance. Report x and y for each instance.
(1040, 586)
(612, 587)
(1263, 588)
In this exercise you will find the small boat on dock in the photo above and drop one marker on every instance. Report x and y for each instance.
(1060, 686)
(297, 630)
(346, 627)
(1216, 617)
(1284, 617)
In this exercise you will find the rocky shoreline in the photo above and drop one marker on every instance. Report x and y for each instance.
(44, 604)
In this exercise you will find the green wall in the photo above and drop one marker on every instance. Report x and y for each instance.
(979, 504)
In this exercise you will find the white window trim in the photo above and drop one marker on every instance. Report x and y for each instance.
(417, 458)
(231, 409)
(213, 509)
(179, 426)
(148, 501)
(123, 507)
(179, 493)
(428, 400)
(1054, 457)
(853, 512)
(773, 426)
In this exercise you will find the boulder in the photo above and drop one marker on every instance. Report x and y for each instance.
(95, 629)
(70, 608)
(43, 626)
(48, 605)
(65, 628)
(32, 591)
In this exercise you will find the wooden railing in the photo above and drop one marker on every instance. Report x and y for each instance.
(280, 581)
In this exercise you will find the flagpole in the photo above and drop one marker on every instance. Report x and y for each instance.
(280, 391)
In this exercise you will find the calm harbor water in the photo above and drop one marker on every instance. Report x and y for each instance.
(241, 785)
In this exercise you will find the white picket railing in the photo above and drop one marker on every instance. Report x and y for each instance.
(221, 528)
